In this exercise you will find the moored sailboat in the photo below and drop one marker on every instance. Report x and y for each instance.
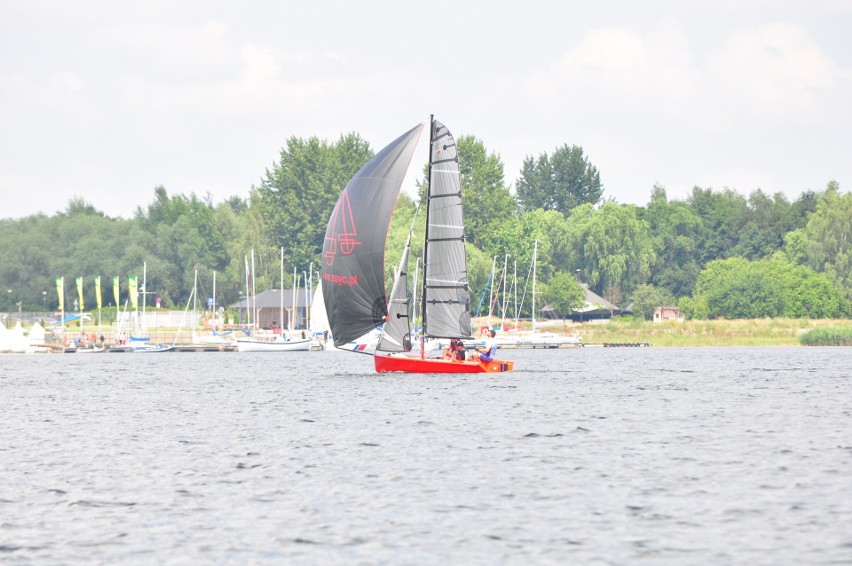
(265, 341)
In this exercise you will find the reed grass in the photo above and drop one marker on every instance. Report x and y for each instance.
(743, 332)
(827, 336)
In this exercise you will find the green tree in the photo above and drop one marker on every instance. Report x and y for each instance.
(807, 294)
(563, 293)
(552, 231)
(674, 230)
(182, 235)
(297, 195)
(739, 288)
(489, 207)
(722, 216)
(611, 246)
(560, 182)
(646, 299)
(767, 220)
(78, 242)
(828, 236)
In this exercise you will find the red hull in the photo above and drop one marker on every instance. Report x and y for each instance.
(408, 364)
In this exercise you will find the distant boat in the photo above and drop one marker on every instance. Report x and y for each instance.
(220, 339)
(265, 341)
(142, 345)
(91, 350)
(272, 343)
(151, 348)
(223, 339)
(534, 338)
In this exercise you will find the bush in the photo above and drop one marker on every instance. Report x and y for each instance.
(827, 336)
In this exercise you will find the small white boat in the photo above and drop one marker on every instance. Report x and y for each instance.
(93, 350)
(273, 343)
(151, 348)
(536, 339)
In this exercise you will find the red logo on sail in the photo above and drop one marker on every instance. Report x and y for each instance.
(343, 230)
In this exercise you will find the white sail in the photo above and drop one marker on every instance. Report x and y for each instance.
(446, 295)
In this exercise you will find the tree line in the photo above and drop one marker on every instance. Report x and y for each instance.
(715, 253)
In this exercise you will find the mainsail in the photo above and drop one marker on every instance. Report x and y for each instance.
(354, 248)
(446, 297)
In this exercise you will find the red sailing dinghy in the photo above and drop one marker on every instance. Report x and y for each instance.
(353, 280)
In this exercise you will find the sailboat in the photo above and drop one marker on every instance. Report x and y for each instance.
(260, 341)
(535, 338)
(353, 267)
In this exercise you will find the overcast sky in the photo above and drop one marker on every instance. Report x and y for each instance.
(105, 100)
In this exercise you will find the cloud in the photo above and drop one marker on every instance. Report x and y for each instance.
(776, 71)
(199, 97)
(771, 71)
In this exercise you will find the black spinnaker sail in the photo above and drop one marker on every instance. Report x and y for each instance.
(353, 280)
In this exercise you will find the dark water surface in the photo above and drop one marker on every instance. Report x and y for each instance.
(603, 456)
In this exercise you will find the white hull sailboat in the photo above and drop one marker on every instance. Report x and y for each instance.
(275, 343)
(264, 341)
(535, 338)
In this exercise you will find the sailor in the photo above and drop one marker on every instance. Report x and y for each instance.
(451, 352)
(489, 349)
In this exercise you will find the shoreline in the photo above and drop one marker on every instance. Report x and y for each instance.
(693, 333)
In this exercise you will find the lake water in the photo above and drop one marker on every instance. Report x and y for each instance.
(601, 456)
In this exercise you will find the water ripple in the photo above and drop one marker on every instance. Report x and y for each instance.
(676, 456)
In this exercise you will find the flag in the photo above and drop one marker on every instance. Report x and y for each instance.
(98, 291)
(133, 290)
(115, 291)
(60, 291)
(80, 292)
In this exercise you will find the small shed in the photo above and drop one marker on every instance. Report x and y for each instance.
(667, 313)
(595, 308)
(268, 308)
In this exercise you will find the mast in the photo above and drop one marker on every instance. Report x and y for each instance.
(248, 295)
(426, 238)
(309, 293)
(194, 320)
(253, 294)
(515, 289)
(281, 296)
(144, 294)
(491, 291)
(535, 255)
(291, 322)
(505, 295)
(62, 303)
(305, 321)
